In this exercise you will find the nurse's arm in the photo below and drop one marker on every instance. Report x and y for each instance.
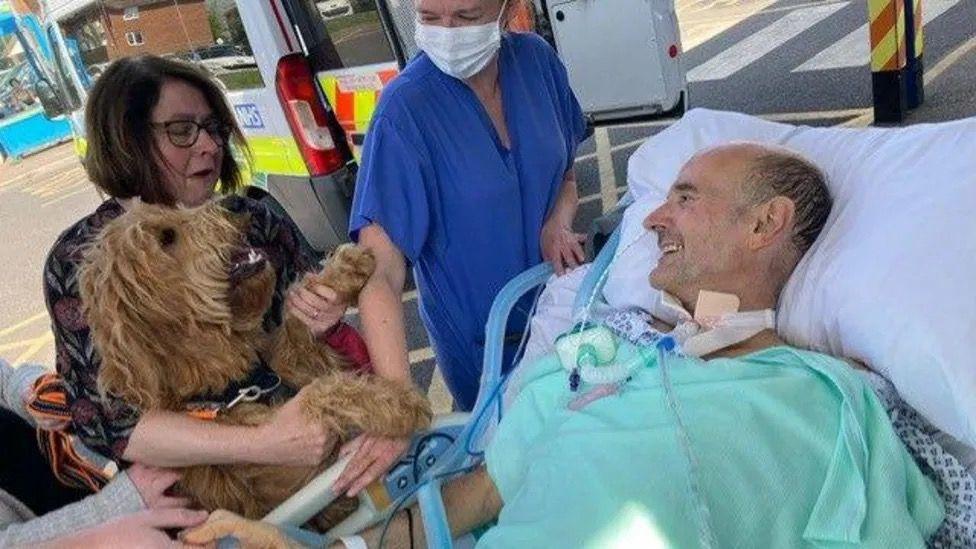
(567, 202)
(381, 306)
(562, 247)
(470, 501)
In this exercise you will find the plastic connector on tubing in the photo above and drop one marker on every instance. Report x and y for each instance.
(667, 344)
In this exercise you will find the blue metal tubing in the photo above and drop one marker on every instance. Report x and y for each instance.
(429, 496)
(436, 528)
(501, 308)
(593, 277)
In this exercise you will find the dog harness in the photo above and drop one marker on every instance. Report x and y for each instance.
(261, 385)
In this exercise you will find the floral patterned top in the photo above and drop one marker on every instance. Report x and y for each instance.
(105, 424)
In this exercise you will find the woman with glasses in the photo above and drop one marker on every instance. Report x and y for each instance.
(160, 132)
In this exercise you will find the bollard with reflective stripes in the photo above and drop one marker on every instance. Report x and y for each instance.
(889, 53)
(914, 69)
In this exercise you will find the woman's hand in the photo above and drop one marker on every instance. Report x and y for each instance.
(291, 438)
(373, 456)
(561, 246)
(251, 534)
(317, 306)
(152, 483)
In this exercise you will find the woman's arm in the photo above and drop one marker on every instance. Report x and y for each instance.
(119, 497)
(168, 439)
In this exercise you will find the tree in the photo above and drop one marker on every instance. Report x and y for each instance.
(235, 30)
(217, 26)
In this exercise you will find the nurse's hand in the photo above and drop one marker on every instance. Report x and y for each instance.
(562, 247)
(372, 457)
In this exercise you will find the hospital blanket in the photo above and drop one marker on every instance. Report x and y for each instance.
(793, 449)
(927, 445)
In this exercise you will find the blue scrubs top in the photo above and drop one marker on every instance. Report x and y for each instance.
(464, 210)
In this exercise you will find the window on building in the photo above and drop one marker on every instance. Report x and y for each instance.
(134, 38)
(130, 13)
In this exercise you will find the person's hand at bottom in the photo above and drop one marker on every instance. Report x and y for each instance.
(251, 534)
(372, 457)
(142, 530)
(153, 483)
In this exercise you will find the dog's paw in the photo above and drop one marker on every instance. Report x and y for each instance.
(347, 270)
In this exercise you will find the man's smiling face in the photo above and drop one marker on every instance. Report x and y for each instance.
(701, 231)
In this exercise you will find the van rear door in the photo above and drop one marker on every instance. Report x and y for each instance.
(623, 56)
(352, 57)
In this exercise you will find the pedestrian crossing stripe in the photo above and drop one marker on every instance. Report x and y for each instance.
(761, 43)
(854, 49)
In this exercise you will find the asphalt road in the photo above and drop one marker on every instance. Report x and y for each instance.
(790, 60)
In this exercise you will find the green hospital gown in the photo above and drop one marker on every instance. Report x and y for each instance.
(793, 449)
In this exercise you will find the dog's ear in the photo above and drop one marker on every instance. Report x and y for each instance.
(125, 318)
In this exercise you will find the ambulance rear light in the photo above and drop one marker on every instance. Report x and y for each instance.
(673, 51)
(306, 115)
(318, 137)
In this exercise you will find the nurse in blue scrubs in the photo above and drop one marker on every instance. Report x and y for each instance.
(467, 176)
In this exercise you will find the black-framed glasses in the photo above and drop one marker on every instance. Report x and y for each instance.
(184, 133)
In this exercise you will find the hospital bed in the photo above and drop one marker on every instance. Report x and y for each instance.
(922, 186)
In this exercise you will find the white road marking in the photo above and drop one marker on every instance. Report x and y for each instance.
(604, 163)
(753, 48)
(854, 50)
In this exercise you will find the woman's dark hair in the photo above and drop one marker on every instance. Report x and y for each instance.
(122, 155)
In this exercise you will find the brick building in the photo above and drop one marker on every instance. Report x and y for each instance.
(155, 26)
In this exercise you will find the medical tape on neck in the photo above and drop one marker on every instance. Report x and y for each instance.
(725, 331)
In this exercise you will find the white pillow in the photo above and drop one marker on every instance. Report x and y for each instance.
(891, 279)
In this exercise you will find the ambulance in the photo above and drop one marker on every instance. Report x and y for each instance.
(304, 77)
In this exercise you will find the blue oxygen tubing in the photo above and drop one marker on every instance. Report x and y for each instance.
(534, 278)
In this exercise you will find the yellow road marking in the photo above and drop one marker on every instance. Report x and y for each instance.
(34, 345)
(438, 395)
(23, 324)
(76, 191)
(420, 355)
(41, 170)
(31, 346)
(950, 59)
(604, 162)
(54, 183)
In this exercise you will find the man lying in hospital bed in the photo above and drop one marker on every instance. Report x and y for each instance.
(888, 282)
(755, 444)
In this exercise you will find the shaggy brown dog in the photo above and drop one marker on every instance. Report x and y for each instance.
(175, 303)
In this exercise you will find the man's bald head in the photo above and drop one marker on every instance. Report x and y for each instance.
(767, 171)
(737, 220)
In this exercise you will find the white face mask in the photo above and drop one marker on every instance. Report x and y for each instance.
(460, 52)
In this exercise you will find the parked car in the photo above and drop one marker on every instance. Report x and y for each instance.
(330, 9)
(222, 58)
